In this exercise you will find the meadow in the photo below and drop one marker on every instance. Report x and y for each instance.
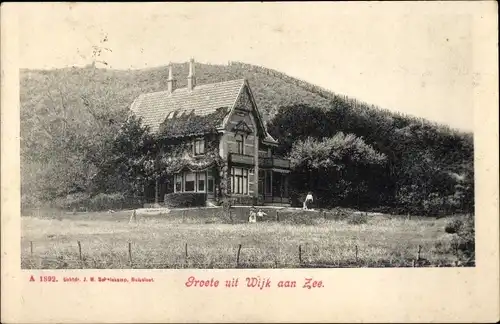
(187, 239)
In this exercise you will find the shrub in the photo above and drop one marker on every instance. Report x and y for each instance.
(338, 213)
(467, 234)
(357, 219)
(102, 201)
(185, 199)
(105, 201)
(29, 201)
(463, 240)
(245, 200)
(72, 202)
(453, 226)
(227, 203)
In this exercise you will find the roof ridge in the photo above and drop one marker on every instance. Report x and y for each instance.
(204, 85)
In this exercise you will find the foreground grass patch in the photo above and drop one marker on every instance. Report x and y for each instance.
(194, 242)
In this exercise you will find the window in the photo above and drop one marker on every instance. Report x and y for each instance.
(189, 182)
(178, 183)
(199, 147)
(239, 181)
(201, 182)
(240, 144)
(192, 182)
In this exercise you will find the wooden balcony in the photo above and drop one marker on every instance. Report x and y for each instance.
(273, 162)
(264, 162)
(242, 159)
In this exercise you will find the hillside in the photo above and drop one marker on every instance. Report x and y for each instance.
(270, 92)
(272, 89)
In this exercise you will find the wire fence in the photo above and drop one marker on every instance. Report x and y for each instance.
(188, 260)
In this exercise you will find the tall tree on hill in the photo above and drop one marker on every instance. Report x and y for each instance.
(298, 122)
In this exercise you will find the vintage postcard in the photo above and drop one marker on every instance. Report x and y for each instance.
(249, 162)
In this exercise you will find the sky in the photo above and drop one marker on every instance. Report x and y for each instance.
(401, 56)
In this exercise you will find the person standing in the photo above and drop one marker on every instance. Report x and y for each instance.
(309, 200)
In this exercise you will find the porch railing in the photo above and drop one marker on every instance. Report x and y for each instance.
(276, 199)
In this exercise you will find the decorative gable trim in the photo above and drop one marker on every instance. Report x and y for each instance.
(242, 127)
(265, 136)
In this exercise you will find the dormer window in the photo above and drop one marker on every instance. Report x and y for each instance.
(199, 146)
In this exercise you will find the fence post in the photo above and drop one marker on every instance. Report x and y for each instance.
(31, 248)
(418, 252)
(238, 256)
(185, 254)
(133, 216)
(356, 247)
(79, 250)
(130, 253)
(300, 254)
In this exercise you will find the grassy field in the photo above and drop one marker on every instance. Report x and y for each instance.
(160, 241)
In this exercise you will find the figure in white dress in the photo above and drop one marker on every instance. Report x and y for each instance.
(253, 216)
(308, 201)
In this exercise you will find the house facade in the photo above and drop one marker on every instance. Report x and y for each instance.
(213, 142)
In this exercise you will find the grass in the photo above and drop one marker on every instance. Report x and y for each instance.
(160, 241)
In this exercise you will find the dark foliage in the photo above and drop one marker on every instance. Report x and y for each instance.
(191, 124)
(185, 199)
(427, 169)
(453, 226)
(245, 200)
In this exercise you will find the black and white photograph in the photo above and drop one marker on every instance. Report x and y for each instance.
(191, 137)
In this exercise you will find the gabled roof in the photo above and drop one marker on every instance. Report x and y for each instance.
(154, 108)
(184, 113)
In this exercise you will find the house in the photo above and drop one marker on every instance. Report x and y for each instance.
(213, 143)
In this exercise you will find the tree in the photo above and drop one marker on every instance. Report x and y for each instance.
(67, 129)
(298, 122)
(336, 168)
(129, 162)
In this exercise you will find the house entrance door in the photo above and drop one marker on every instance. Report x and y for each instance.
(261, 183)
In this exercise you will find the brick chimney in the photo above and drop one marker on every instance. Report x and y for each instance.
(171, 83)
(191, 77)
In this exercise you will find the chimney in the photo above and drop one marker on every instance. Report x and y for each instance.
(170, 81)
(191, 77)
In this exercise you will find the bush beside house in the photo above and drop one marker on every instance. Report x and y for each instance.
(185, 199)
